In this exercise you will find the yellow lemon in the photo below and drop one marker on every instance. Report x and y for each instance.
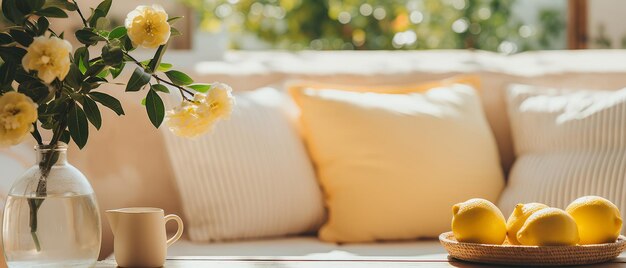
(518, 218)
(478, 221)
(598, 219)
(549, 227)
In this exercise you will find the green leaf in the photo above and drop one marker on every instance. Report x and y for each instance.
(24, 7)
(5, 39)
(7, 7)
(143, 102)
(103, 74)
(42, 25)
(5, 88)
(138, 79)
(35, 4)
(112, 55)
(65, 137)
(21, 75)
(105, 6)
(128, 44)
(55, 111)
(30, 28)
(97, 79)
(74, 77)
(7, 73)
(172, 20)
(95, 69)
(21, 37)
(62, 4)
(164, 67)
(179, 78)
(34, 89)
(83, 65)
(108, 101)
(95, 15)
(81, 58)
(12, 12)
(116, 71)
(77, 124)
(92, 83)
(202, 88)
(117, 32)
(92, 112)
(156, 60)
(174, 32)
(161, 88)
(103, 23)
(155, 108)
(52, 12)
(88, 37)
(12, 53)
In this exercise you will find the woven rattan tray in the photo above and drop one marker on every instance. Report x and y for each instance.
(532, 255)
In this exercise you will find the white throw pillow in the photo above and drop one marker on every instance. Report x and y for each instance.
(568, 144)
(251, 177)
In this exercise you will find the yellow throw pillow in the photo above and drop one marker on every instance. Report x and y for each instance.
(392, 165)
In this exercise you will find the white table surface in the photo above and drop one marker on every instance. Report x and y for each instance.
(441, 260)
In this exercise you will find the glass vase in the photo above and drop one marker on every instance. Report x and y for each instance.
(51, 216)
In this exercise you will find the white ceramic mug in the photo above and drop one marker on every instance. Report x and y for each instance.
(139, 236)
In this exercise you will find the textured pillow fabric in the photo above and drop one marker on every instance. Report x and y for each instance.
(251, 177)
(392, 165)
(568, 144)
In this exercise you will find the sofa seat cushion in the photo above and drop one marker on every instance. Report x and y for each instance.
(307, 247)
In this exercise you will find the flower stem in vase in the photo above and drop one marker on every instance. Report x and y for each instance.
(45, 166)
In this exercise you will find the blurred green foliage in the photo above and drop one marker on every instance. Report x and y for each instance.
(379, 24)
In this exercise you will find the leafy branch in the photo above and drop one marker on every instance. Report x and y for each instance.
(181, 89)
(66, 107)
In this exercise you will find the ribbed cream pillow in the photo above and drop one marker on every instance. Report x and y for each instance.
(568, 144)
(392, 165)
(251, 177)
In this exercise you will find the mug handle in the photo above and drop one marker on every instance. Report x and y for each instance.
(179, 232)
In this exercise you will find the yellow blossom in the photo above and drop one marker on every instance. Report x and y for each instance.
(50, 57)
(147, 26)
(219, 99)
(17, 115)
(196, 117)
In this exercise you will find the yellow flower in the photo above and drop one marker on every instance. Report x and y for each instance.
(147, 26)
(194, 118)
(50, 57)
(17, 115)
(219, 99)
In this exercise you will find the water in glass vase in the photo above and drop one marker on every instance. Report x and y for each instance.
(68, 231)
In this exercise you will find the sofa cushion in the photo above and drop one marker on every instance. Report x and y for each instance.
(392, 165)
(569, 143)
(250, 178)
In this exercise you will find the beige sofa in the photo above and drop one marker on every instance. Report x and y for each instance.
(127, 164)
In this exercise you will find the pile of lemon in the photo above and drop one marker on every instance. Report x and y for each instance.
(587, 220)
